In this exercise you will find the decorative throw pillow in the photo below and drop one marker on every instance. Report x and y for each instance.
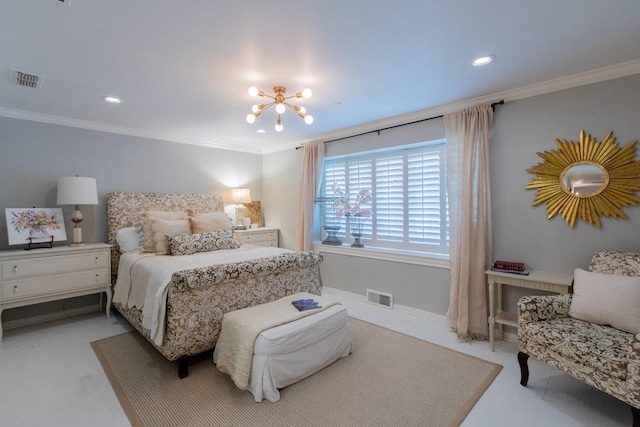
(129, 239)
(606, 299)
(149, 217)
(164, 228)
(214, 221)
(188, 244)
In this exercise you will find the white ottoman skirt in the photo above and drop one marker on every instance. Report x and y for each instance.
(291, 352)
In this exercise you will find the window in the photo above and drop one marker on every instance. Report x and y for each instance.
(409, 196)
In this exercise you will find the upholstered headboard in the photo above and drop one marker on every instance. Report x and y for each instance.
(125, 209)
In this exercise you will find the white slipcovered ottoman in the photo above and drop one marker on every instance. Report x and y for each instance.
(288, 353)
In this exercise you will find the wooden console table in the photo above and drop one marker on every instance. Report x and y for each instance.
(536, 279)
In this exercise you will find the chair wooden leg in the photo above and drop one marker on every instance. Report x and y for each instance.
(636, 416)
(524, 369)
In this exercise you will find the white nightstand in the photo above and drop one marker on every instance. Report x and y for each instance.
(42, 275)
(264, 236)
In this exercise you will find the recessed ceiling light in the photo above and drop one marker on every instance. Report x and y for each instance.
(112, 99)
(261, 131)
(483, 60)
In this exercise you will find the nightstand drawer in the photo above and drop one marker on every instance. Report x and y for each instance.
(53, 284)
(19, 268)
(256, 238)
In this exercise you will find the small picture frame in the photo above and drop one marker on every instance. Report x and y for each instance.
(26, 226)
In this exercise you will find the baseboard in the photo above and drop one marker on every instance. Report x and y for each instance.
(506, 336)
(397, 307)
(41, 318)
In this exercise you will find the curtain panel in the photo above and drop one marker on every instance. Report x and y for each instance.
(313, 159)
(468, 186)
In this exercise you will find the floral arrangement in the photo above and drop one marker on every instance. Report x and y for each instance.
(36, 222)
(348, 209)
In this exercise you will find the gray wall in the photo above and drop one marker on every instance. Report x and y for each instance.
(523, 128)
(520, 232)
(34, 155)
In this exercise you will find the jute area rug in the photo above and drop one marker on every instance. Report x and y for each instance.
(390, 379)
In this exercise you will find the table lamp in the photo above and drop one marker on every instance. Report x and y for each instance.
(240, 196)
(77, 190)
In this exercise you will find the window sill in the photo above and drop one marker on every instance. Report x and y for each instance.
(428, 260)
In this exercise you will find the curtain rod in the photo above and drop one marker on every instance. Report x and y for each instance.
(493, 107)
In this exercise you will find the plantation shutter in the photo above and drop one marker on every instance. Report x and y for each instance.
(409, 196)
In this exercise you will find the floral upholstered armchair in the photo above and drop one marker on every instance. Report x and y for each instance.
(592, 334)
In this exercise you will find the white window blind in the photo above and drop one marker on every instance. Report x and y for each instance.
(409, 196)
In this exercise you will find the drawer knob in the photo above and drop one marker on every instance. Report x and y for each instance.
(15, 288)
(15, 268)
(96, 260)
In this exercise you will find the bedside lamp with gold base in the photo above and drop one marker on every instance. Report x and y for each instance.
(77, 190)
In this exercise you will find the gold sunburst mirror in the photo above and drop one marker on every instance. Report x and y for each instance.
(587, 179)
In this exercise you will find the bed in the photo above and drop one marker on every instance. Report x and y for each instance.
(191, 304)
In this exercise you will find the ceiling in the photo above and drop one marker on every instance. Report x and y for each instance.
(182, 69)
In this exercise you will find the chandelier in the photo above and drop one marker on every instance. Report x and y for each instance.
(280, 101)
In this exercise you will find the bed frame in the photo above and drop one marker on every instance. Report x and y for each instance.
(198, 298)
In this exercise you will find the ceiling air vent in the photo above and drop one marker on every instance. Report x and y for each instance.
(380, 298)
(26, 80)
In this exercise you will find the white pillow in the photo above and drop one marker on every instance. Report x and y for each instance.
(129, 239)
(606, 299)
(162, 228)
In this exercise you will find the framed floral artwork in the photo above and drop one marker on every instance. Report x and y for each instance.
(35, 225)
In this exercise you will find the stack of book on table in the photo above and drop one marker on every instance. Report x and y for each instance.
(510, 267)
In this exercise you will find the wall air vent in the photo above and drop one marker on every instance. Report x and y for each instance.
(380, 298)
(26, 79)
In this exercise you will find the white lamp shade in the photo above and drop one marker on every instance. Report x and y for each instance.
(77, 190)
(241, 195)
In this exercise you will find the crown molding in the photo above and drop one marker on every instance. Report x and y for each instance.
(101, 127)
(581, 79)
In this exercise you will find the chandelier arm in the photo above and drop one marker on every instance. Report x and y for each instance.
(293, 107)
(265, 107)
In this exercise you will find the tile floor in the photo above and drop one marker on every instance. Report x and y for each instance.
(49, 376)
